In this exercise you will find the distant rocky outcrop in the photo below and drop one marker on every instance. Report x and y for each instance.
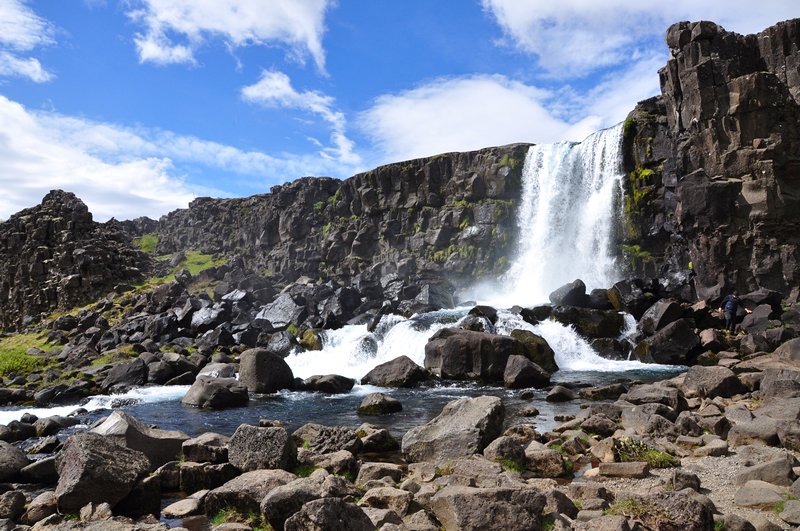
(55, 256)
(715, 162)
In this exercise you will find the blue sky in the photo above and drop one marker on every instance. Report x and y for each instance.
(138, 106)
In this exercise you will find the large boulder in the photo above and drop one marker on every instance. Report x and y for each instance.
(261, 371)
(207, 447)
(458, 354)
(521, 372)
(93, 468)
(631, 296)
(469, 508)
(320, 439)
(675, 344)
(783, 383)
(12, 461)
(245, 492)
(253, 448)
(284, 501)
(125, 375)
(329, 383)
(216, 393)
(713, 381)
(379, 404)
(659, 315)
(399, 372)
(464, 427)
(572, 294)
(591, 323)
(536, 349)
(283, 311)
(329, 513)
(160, 446)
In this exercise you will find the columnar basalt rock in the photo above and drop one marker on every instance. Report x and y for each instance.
(453, 212)
(54, 256)
(713, 162)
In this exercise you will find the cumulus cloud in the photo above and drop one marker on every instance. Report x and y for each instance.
(297, 24)
(576, 37)
(274, 89)
(21, 30)
(460, 114)
(126, 172)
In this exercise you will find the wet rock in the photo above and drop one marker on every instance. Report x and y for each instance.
(216, 393)
(329, 383)
(379, 404)
(399, 372)
(559, 393)
(536, 349)
(520, 372)
(458, 354)
(261, 371)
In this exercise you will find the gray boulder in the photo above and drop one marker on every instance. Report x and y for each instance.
(253, 448)
(261, 371)
(93, 468)
(284, 501)
(520, 372)
(125, 374)
(216, 393)
(458, 354)
(160, 446)
(464, 427)
(709, 382)
(206, 448)
(468, 508)
(399, 372)
(329, 513)
(12, 461)
(245, 492)
(329, 383)
(675, 344)
(379, 404)
(659, 315)
(321, 439)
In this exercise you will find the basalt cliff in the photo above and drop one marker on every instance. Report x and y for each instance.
(711, 201)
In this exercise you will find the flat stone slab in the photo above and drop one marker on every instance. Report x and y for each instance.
(715, 448)
(759, 494)
(632, 469)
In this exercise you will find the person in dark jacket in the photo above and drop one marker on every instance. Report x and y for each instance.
(730, 306)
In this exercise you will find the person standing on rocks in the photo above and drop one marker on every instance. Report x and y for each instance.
(730, 307)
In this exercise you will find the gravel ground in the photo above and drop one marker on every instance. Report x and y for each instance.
(716, 481)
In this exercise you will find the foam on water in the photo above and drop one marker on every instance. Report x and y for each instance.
(141, 395)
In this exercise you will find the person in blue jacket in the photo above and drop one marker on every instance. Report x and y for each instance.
(730, 306)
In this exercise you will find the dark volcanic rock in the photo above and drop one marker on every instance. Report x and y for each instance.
(399, 372)
(463, 354)
(55, 256)
(216, 393)
(675, 344)
(521, 372)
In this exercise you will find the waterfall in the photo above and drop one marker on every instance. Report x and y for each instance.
(566, 218)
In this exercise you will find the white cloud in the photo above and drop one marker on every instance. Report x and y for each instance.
(274, 89)
(298, 24)
(21, 30)
(11, 65)
(126, 172)
(576, 37)
(460, 114)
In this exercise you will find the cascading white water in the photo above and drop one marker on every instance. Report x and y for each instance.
(566, 218)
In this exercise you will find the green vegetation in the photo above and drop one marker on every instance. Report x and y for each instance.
(147, 242)
(307, 444)
(779, 507)
(628, 128)
(14, 357)
(444, 470)
(719, 525)
(319, 205)
(461, 203)
(634, 450)
(464, 224)
(292, 329)
(305, 470)
(627, 507)
(231, 514)
(195, 261)
(511, 466)
(548, 523)
(121, 353)
(507, 161)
